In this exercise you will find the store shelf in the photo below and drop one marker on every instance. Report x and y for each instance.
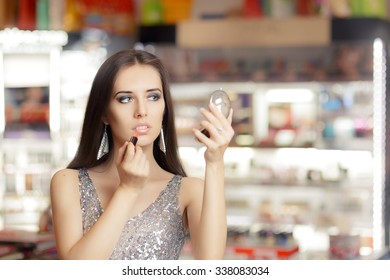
(232, 33)
(328, 30)
(262, 252)
(237, 250)
(318, 189)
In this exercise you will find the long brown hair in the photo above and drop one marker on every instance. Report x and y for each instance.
(97, 104)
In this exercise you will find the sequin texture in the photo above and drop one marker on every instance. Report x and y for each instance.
(157, 233)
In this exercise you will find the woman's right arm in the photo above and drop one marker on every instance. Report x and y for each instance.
(100, 240)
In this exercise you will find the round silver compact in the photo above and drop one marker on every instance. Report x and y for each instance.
(222, 101)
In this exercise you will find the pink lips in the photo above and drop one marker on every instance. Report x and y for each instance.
(141, 129)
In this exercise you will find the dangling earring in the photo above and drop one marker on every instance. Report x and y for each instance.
(162, 146)
(103, 148)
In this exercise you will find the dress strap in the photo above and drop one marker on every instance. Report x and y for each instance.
(89, 201)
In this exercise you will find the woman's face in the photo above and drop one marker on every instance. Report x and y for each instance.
(136, 105)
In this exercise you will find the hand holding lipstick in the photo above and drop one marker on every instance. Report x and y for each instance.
(132, 165)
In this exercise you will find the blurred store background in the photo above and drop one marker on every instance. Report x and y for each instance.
(307, 173)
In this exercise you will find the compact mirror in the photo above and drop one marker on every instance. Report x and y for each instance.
(221, 100)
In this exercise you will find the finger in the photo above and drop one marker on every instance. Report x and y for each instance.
(217, 138)
(230, 117)
(130, 152)
(224, 121)
(210, 117)
(217, 118)
(121, 152)
(201, 137)
(215, 131)
(217, 112)
(138, 153)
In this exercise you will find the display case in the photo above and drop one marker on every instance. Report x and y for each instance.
(303, 182)
(307, 169)
(29, 123)
(307, 165)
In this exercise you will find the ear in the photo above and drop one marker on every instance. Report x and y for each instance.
(105, 120)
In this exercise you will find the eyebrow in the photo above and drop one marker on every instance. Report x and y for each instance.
(129, 91)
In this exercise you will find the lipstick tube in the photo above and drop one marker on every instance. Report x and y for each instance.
(134, 140)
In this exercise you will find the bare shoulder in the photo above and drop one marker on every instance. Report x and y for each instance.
(192, 182)
(64, 177)
(191, 189)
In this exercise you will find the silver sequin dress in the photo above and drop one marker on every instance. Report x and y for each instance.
(157, 233)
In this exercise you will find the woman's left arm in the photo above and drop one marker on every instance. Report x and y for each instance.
(207, 208)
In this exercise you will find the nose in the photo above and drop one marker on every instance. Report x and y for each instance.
(140, 111)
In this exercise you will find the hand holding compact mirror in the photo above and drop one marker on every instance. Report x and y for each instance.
(221, 100)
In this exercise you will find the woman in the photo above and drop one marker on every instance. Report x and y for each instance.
(118, 200)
